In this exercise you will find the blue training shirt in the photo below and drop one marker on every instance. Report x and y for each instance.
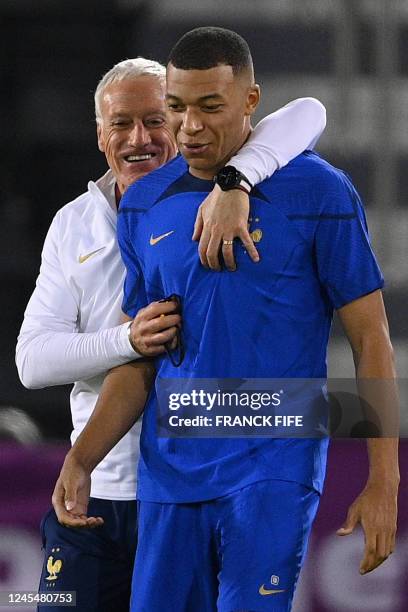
(266, 320)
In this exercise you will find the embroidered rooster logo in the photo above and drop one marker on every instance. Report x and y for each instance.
(53, 567)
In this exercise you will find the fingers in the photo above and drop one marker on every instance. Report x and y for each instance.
(223, 215)
(378, 543)
(67, 498)
(376, 510)
(72, 519)
(383, 545)
(160, 324)
(198, 225)
(374, 555)
(157, 340)
(228, 256)
(153, 345)
(154, 326)
(203, 246)
(213, 242)
(217, 244)
(79, 521)
(351, 521)
(249, 245)
(371, 558)
(228, 249)
(378, 548)
(155, 309)
(213, 253)
(69, 511)
(71, 495)
(58, 501)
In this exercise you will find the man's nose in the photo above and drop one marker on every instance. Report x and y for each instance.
(139, 135)
(191, 122)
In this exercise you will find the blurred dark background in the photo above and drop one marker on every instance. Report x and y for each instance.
(352, 55)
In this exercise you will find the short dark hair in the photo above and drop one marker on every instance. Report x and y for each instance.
(208, 47)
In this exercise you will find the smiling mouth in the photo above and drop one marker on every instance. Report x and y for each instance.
(139, 158)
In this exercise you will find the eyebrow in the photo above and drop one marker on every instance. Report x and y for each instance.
(202, 99)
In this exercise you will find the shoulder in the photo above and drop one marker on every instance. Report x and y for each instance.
(313, 168)
(82, 216)
(143, 193)
(79, 206)
(314, 180)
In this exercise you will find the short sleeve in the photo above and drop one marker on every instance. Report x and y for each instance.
(347, 267)
(134, 292)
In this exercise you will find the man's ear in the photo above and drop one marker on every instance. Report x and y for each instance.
(99, 134)
(253, 97)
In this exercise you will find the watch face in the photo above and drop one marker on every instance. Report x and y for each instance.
(228, 177)
(231, 178)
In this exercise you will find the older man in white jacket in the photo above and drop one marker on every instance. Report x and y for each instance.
(72, 333)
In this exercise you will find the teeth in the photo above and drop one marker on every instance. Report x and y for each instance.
(131, 158)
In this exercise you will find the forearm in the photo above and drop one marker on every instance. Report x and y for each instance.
(120, 403)
(47, 358)
(383, 461)
(280, 137)
(376, 381)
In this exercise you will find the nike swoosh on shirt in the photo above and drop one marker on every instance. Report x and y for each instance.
(263, 591)
(154, 241)
(83, 258)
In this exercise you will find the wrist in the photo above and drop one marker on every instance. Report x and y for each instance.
(130, 339)
(84, 454)
(123, 348)
(386, 481)
(76, 459)
(229, 178)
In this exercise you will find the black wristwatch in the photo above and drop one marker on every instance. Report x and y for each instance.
(231, 178)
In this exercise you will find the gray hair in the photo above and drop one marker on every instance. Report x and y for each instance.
(128, 69)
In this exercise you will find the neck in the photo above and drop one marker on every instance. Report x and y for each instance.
(118, 195)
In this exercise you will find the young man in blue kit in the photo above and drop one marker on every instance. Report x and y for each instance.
(224, 523)
(71, 330)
